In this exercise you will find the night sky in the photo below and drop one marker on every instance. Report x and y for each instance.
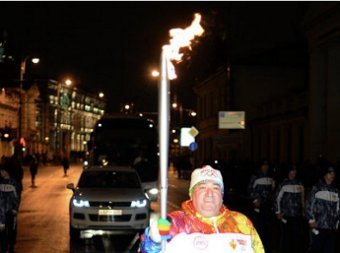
(112, 46)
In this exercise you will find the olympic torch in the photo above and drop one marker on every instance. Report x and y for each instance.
(179, 38)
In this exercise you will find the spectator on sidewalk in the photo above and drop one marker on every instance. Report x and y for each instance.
(9, 205)
(34, 163)
(66, 164)
(261, 192)
(289, 208)
(16, 172)
(323, 214)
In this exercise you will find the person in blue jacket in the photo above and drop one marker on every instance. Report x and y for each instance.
(322, 212)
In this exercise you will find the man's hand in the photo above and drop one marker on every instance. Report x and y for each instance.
(164, 228)
(159, 229)
(312, 224)
(257, 203)
(279, 216)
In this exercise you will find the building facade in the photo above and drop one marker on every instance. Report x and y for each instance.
(54, 119)
(322, 26)
(274, 100)
(291, 109)
(9, 107)
(65, 117)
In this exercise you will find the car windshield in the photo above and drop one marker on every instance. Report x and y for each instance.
(109, 179)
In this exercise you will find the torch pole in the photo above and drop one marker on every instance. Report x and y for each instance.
(164, 120)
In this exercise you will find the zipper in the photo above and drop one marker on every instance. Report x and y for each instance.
(214, 219)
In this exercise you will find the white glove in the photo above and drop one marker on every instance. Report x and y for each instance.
(153, 230)
(2, 227)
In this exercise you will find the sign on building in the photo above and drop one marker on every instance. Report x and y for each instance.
(231, 120)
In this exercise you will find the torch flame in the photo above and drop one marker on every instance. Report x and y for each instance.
(181, 38)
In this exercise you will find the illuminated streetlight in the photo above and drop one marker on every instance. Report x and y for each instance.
(101, 94)
(35, 60)
(22, 75)
(193, 114)
(23, 67)
(155, 73)
(68, 82)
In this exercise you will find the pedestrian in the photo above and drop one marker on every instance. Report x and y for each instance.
(66, 165)
(184, 166)
(261, 193)
(9, 205)
(322, 212)
(203, 213)
(289, 209)
(34, 163)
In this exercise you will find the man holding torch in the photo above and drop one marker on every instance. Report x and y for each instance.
(203, 222)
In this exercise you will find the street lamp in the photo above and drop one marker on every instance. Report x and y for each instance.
(23, 66)
(22, 78)
(155, 73)
(68, 82)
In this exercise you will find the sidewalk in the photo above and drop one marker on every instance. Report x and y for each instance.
(47, 171)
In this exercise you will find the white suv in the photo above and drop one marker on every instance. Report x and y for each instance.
(108, 200)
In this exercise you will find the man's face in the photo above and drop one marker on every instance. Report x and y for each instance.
(207, 198)
(329, 177)
(4, 174)
(292, 174)
(264, 168)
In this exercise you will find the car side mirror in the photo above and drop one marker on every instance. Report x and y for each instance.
(70, 186)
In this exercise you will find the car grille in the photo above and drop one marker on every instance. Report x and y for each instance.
(95, 217)
(107, 204)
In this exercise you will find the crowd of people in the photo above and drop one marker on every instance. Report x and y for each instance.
(306, 213)
(305, 217)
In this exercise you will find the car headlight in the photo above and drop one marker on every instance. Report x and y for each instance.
(80, 203)
(139, 203)
(153, 191)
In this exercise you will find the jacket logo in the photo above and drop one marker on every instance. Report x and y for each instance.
(200, 243)
(7, 188)
(242, 242)
(233, 244)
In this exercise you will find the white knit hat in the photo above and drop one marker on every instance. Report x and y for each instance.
(200, 175)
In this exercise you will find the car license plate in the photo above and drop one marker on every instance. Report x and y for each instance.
(109, 212)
